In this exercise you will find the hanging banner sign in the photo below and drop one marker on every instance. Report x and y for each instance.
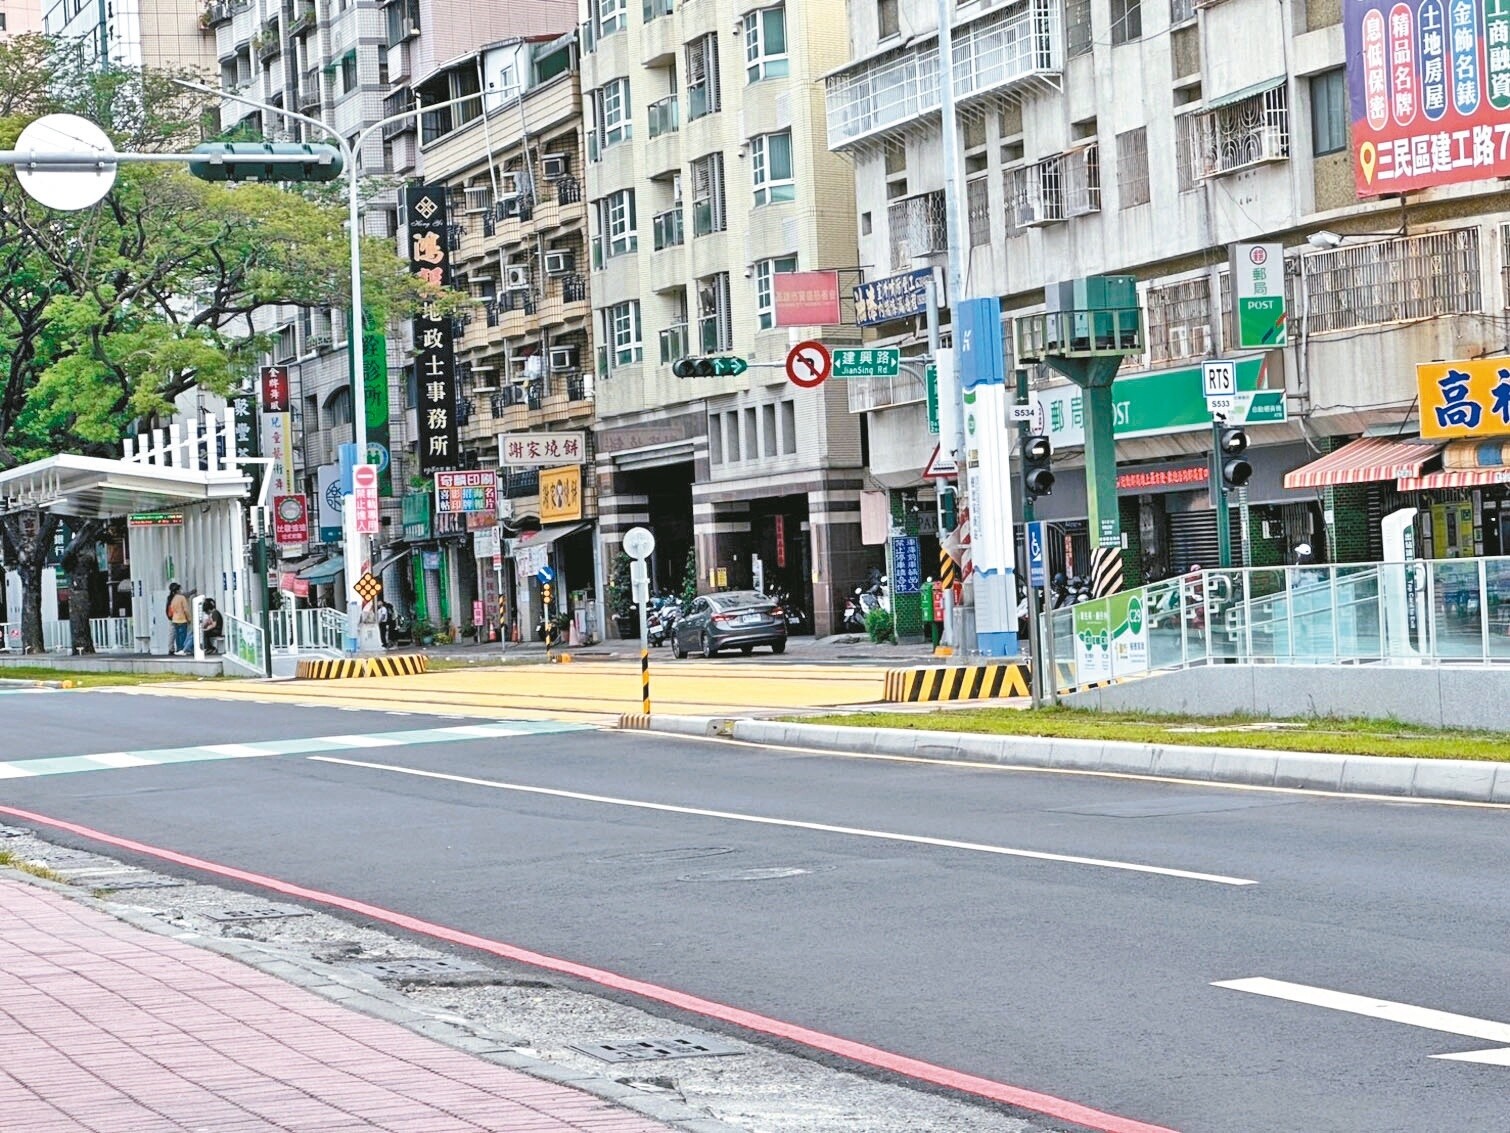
(434, 349)
(274, 389)
(475, 490)
(290, 520)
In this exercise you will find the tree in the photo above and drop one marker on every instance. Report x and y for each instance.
(689, 578)
(79, 561)
(109, 314)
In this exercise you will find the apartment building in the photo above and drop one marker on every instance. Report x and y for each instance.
(141, 33)
(1119, 136)
(708, 174)
(512, 164)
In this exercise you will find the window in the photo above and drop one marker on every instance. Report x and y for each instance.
(1178, 323)
(1328, 112)
(708, 214)
(768, 429)
(1127, 21)
(613, 15)
(731, 434)
(715, 322)
(617, 225)
(978, 211)
(765, 43)
(1132, 168)
(765, 287)
(702, 77)
(1181, 11)
(715, 439)
(751, 440)
(1397, 280)
(349, 72)
(771, 167)
(621, 327)
(788, 426)
(1077, 27)
(611, 105)
(888, 21)
(1238, 135)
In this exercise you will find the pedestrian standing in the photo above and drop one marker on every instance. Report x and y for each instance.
(385, 623)
(178, 619)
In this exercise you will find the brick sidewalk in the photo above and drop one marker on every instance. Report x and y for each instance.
(113, 1029)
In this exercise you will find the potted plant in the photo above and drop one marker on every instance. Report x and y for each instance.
(621, 599)
(424, 632)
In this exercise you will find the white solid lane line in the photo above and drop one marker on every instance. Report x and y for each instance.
(821, 827)
(1466, 1025)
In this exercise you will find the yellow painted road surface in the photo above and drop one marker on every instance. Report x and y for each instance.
(593, 692)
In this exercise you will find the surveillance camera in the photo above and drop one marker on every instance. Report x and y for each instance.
(1324, 239)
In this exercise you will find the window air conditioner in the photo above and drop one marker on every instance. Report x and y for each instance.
(555, 166)
(563, 358)
(559, 263)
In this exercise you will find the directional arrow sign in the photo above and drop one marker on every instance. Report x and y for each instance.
(1466, 1025)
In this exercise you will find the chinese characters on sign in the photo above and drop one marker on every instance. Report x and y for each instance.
(274, 389)
(364, 498)
(247, 440)
(561, 494)
(1258, 295)
(1192, 474)
(806, 298)
(883, 362)
(434, 351)
(277, 443)
(906, 564)
(290, 520)
(896, 297)
(472, 491)
(1429, 84)
(1464, 399)
(531, 450)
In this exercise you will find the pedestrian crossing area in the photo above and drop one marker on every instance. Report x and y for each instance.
(157, 757)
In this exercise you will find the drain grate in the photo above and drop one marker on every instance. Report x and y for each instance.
(647, 1050)
(141, 883)
(418, 968)
(256, 913)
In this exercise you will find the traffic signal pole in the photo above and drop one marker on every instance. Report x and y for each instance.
(1219, 481)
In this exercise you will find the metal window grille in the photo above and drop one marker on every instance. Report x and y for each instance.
(1178, 321)
(1080, 173)
(978, 206)
(1077, 28)
(1035, 193)
(703, 95)
(715, 323)
(1505, 266)
(1396, 280)
(918, 228)
(1132, 168)
(1239, 136)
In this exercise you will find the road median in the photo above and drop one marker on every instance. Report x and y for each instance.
(1455, 780)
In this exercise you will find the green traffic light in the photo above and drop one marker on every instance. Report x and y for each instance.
(275, 161)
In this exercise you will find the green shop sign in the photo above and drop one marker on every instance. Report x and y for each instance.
(1143, 405)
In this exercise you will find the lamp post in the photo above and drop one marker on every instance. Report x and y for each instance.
(353, 549)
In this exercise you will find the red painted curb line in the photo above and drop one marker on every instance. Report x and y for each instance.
(831, 1044)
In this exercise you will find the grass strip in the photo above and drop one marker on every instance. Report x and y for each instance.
(87, 680)
(1309, 734)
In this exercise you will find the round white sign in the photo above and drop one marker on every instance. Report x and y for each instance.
(67, 190)
(638, 543)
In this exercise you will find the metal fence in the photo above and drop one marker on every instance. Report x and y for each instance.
(1426, 612)
(110, 635)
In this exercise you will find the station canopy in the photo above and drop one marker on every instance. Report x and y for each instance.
(89, 487)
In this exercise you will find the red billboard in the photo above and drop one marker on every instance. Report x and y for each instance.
(1429, 92)
(274, 389)
(290, 520)
(806, 298)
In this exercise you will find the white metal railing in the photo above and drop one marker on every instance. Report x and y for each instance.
(113, 635)
(1426, 612)
(877, 393)
(1395, 280)
(244, 647)
(991, 52)
(110, 635)
(307, 630)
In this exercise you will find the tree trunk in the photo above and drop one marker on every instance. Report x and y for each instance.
(28, 536)
(79, 561)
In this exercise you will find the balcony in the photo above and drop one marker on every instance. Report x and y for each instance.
(665, 116)
(1019, 46)
(303, 20)
(217, 13)
(568, 191)
(267, 42)
(667, 229)
(918, 229)
(654, 9)
(573, 289)
(398, 103)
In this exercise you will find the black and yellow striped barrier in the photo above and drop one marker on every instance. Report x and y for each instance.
(956, 682)
(399, 665)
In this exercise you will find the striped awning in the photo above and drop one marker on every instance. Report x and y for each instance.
(1365, 460)
(1455, 478)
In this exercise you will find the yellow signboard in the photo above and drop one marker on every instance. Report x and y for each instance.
(561, 494)
(1464, 399)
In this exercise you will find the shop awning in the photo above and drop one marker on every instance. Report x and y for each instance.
(1455, 478)
(390, 556)
(1364, 461)
(544, 537)
(325, 571)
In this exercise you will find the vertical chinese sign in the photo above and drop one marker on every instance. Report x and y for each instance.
(1429, 90)
(278, 429)
(375, 393)
(434, 351)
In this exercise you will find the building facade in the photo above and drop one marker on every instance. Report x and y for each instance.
(20, 17)
(139, 33)
(708, 174)
(524, 375)
(1112, 136)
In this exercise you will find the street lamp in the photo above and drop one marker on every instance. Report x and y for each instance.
(353, 551)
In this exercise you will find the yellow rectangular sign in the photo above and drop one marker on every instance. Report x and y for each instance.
(561, 494)
(1465, 398)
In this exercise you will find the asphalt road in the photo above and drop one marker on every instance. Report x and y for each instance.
(1086, 979)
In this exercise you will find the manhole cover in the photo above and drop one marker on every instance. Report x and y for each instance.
(257, 913)
(677, 854)
(646, 1050)
(141, 883)
(418, 968)
(774, 873)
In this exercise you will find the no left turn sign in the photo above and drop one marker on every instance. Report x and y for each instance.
(808, 364)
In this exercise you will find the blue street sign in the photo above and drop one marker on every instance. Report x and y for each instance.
(1037, 537)
(978, 343)
(544, 575)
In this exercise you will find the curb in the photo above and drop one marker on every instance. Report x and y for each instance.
(1451, 780)
(19, 682)
(400, 665)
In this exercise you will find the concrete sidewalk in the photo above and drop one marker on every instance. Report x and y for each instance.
(107, 1027)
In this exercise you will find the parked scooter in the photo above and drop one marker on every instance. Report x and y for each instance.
(854, 617)
(662, 619)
